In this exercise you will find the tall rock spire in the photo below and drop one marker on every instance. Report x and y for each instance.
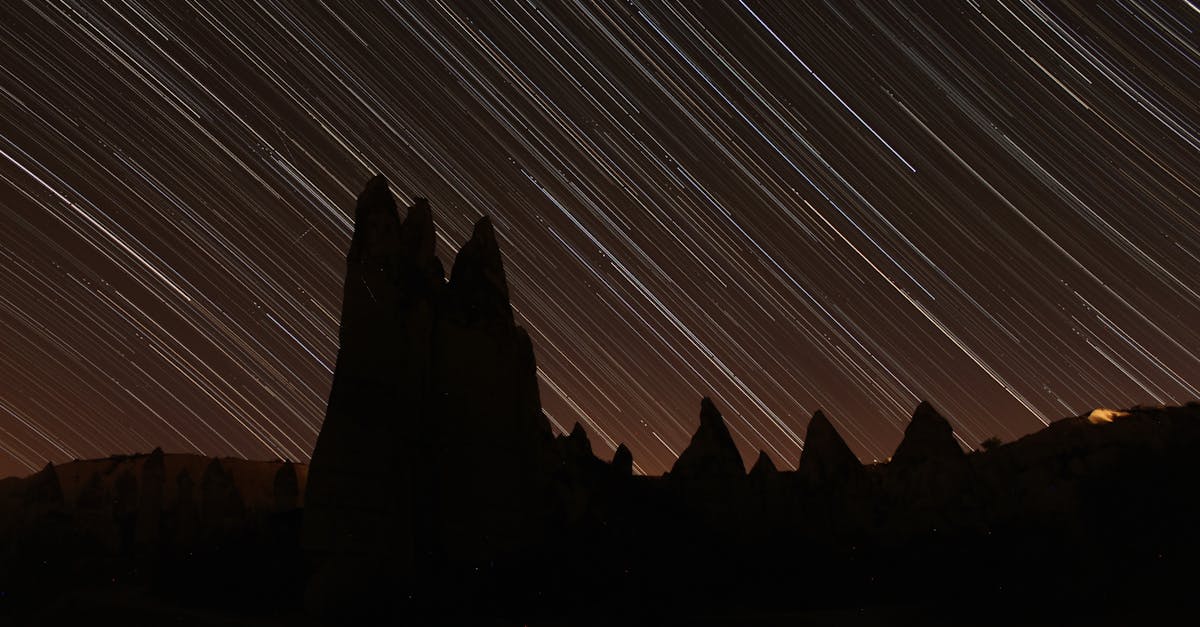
(361, 473)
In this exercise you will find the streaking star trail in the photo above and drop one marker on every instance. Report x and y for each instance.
(991, 205)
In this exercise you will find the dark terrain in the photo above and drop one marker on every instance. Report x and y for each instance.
(438, 493)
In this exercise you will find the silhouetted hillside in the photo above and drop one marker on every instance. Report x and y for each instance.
(483, 511)
(437, 493)
(192, 529)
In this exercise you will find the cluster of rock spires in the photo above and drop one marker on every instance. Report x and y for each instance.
(171, 521)
(437, 466)
(437, 487)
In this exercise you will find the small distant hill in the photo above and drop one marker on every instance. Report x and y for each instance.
(186, 526)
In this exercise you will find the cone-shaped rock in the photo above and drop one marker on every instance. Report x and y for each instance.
(622, 461)
(826, 456)
(763, 467)
(578, 442)
(477, 284)
(928, 437)
(44, 488)
(711, 453)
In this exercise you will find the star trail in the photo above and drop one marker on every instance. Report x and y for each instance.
(785, 206)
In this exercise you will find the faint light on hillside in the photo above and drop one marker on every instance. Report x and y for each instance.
(1100, 415)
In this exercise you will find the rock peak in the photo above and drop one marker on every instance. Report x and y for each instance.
(376, 223)
(622, 461)
(927, 437)
(712, 452)
(763, 466)
(709, 414)
(577, 442)
(375, 194)
(477, 278)
(417, 233)
(826, 457)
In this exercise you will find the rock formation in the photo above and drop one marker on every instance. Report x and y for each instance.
(437, 492)
(44, 488)
(763, 467)
(434, 451)
(826, 458)
(711, 452)
(928, 437)
(622, 461)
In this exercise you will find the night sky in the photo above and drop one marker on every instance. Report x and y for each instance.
(785, 206)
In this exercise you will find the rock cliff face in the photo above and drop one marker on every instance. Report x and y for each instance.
(763, 467)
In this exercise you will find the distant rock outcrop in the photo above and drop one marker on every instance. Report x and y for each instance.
(711, 453)
(577, 453)
(43, 489)
(826, 458)
(438, 494)
(928, 437)
(622, 461)
(763, 467)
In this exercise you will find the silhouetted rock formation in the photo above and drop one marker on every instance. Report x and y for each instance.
(144, 519)
(360, 494)
(577, 443)
(394, 484)
(44, 489)
(437, 494)
(711, 453)
(437, 466)
(826, 458)
(577, 456)
(622, 461)
(928, 437)
(763, 467)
